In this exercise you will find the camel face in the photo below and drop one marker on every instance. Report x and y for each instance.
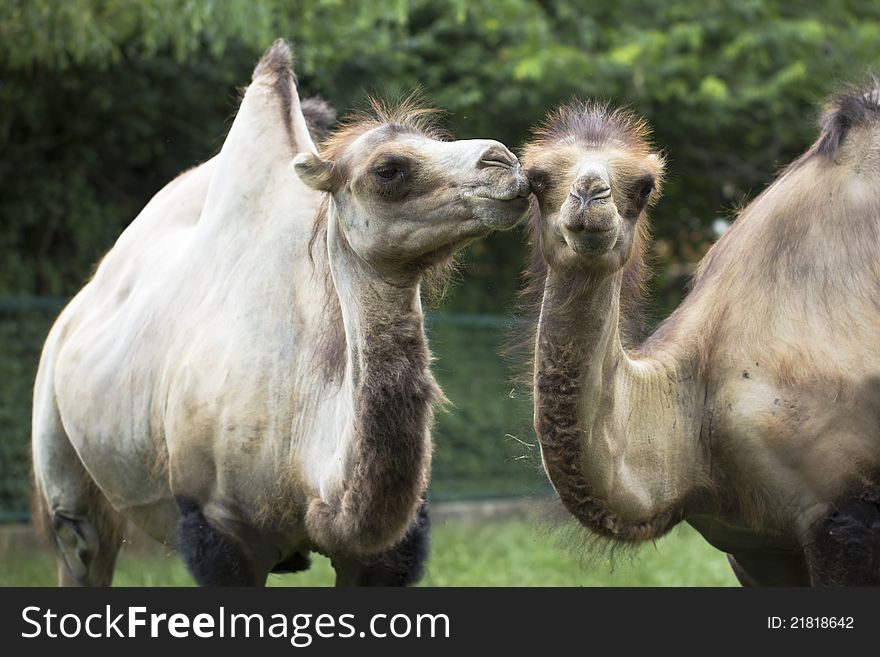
(593, 173)
(590, 204)
(404, 199)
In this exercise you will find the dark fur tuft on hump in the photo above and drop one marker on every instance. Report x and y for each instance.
(320, 117)
(850, 107)
(277, 65)
(277, 61)
(853, 106)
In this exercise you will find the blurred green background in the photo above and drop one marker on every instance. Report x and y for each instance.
(103, 102)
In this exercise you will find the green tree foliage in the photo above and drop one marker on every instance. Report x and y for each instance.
(102, 101)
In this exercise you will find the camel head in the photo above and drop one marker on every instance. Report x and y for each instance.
(405, 197)
(593, 173)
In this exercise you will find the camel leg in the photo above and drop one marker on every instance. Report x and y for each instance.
(296, 562)
(402, 565)
(845, 545)
(71, 511)
(215, 557)
(763, 569)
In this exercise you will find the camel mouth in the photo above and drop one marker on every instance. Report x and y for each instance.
(499, 188)
(591, 242)
(509, 195)
(501, 213)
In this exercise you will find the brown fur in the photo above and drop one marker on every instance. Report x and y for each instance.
(591, 124)
(331, 351)
(396, 403)
(558, 374)
(851, 107)
(320, 117)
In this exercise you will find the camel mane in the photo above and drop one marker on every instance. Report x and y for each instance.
(410, 113)
(593, 124)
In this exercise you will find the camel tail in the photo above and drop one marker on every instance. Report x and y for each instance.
(41, 520)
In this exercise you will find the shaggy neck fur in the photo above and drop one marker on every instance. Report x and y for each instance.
(392, 393)
(582, 376)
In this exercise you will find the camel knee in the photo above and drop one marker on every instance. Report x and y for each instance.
(844, 549)
(86, 555)
(77, 543)
(213, 557)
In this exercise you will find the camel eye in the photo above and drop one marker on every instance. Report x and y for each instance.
(538, 179)
(388, 172)
(646, 186)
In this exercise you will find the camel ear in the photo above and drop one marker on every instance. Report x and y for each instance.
(314, 172)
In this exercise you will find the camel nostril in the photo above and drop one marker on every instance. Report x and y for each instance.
(590, 188)
(497, 156)
(591, 195)
(598, 194)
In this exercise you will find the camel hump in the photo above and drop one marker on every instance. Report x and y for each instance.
(274, 74)
(276, 62)
(851, 108)
(320, 117)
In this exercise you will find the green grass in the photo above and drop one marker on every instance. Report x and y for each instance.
(500, 553)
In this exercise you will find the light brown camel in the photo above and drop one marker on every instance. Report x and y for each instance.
(753, 412)
(246, 377)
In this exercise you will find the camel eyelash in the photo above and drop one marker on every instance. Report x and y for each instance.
(389, 176)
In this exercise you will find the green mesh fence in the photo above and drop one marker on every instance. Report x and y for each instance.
(484, 445)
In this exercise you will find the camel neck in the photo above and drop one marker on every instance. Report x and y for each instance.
(581, 312)
(577, 346)
(605, 420)
(380, 317)
(390, 393)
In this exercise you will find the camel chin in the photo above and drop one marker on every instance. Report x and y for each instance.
(500, 214)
